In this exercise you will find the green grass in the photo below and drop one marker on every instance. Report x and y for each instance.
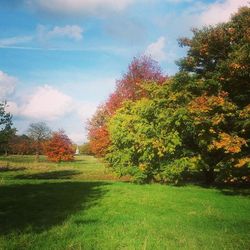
(81, 205)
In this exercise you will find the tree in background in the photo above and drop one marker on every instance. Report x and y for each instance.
(141, 70)
(39, 132)
(6, 130)
(22, 145)
(59, 147)
(85, 149)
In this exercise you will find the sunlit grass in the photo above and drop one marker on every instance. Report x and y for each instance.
(63, 206)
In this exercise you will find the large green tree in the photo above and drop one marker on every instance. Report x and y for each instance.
(218, 58)
(198, 119)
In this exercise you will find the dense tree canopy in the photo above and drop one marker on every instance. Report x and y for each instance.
(197, 121)
(130, 87)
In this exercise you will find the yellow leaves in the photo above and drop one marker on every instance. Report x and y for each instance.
(242, 162)
(245, 113)
(142, 167)
(158, 145)
(230, 143)
(217, 119)
(212, 131)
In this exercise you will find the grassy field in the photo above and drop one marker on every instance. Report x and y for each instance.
(81, 205)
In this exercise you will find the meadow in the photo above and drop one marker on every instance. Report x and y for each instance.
(82, 205)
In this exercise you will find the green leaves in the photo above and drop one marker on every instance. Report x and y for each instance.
(196, 120)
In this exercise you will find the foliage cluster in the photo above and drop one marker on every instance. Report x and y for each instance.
(6, 129)
(59, 147)
(39, 140)
(197, 120)
(129, 87)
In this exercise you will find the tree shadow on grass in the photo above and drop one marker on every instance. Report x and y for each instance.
(38, 207)
(238, 189)
(60, 174)
(7, 169)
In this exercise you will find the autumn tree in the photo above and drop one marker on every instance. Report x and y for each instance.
(59, 147)
(130, 87)
(39, 132)
(6, 129)
(21, 144)
(197, 120)
(218, 58)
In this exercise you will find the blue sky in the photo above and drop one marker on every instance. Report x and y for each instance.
(59, 59)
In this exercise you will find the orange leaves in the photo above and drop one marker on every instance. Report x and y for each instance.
(245, 113)
(236, 66)
(141, 70)
(204, 49)
(217, 119)
(99, 141)
(205, 103)
(242, 162)
(59, 148)
(229, 143)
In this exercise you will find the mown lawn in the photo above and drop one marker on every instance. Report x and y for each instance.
(81, 205)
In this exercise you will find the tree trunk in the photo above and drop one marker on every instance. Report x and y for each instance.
(209, 175)
(37, 156)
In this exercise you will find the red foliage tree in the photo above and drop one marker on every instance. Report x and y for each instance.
(59, 147)
(141, 70)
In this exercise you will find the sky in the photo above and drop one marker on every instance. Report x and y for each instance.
(60, 59)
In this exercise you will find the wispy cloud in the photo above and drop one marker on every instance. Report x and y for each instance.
(157, 49)
(15, 40)
(42, 36)
(221, 11)
(74, 32)
(73, 7)
(7, 85)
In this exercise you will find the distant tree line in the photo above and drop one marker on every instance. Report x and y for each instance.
(39, 140)
(196, 123)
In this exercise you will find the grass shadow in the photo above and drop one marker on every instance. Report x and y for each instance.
(7, 169)
(60, 174)
(238, 189)
(38, 207)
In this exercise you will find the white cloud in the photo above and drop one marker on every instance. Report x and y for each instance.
(15, 40)
(74, 32)
(221, 11)
(47, 103)
(85, 110)
(71, 7)
(179, 1)
(13, 108)
(70, 31)
(156, 49)
(78, 138)
(7, 84)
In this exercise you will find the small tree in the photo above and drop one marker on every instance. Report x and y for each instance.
(59, 147)
(39, 132)
(6, 130)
